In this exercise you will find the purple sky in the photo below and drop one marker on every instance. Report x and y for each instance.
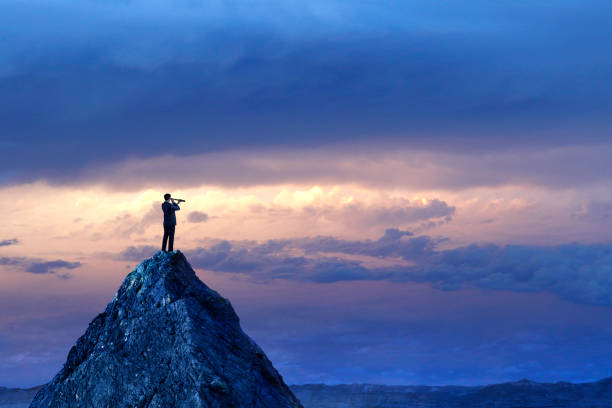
(387, 192)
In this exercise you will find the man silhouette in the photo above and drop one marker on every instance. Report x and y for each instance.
(169, 207)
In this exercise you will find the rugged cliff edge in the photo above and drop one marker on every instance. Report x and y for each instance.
(166, 340)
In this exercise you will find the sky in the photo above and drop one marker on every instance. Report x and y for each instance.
(391, 192)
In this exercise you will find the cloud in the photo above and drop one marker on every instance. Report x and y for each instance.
(323, 72)
(39, 267)
(274, 259)
(388, 165)
(10, 261)
(394, 243)
(197, 217)
(317, 206)
(596, 211)
(263, 266)
(7, 242)
(127, 225)
(394, 211)
(575, 272)
(51, 266)
(137, 254)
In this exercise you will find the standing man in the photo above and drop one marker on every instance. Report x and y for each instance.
(169, 207)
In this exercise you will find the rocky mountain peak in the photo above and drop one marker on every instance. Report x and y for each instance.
(166, 340)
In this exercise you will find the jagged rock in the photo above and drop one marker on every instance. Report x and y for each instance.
(166, 340)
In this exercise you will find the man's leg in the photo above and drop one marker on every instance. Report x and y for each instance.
(171, 238)
(165, 239)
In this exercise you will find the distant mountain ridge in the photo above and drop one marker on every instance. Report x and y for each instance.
(517, 394)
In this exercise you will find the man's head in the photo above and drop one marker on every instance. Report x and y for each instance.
(167, 196)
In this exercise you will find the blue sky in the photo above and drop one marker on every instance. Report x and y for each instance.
(388, 192)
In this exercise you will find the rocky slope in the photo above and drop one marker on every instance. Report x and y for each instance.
(166, 340)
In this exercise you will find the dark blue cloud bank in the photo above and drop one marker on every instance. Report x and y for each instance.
(8, 242)
(574, 272)
(91, 82)
(35, 265)
(38, 266)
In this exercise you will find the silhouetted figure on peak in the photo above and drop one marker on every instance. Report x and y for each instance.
(169, 206)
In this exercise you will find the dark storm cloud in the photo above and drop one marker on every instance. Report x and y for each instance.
(88, 83)
(39, 267)
(7, 242)
(574, 272)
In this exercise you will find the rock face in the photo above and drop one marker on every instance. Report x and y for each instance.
(166, 340)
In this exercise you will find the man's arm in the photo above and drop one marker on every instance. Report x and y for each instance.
(175, 206)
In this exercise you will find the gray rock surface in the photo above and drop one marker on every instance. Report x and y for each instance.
(166, 340)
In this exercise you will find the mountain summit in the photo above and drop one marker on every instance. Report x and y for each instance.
(166, 340)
